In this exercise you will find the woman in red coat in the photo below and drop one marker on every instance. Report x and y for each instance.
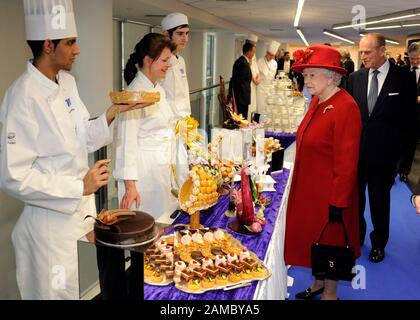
(324, 184)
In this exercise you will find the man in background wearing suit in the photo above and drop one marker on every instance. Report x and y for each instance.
(386, 96)
(284, 64)
(414, 68)
(241, 79)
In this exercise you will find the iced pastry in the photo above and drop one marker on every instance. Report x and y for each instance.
(186, 240)
(180, 265)
(243, 254)
(219, 234)
(220, 260)
(197, 238)
(208, 237)
(232, 257)
(207, 262)
(194, 264)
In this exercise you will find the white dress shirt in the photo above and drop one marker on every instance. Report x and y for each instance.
(383, 71)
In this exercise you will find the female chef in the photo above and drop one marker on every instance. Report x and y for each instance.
(147, 136)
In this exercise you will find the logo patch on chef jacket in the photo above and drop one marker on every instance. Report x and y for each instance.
(182, 71)
(11, 138)
(69, 105)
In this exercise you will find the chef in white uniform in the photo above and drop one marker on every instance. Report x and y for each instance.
(175, 26)
(45, 141)
(255, 77)
(147, 136)
(268, 68)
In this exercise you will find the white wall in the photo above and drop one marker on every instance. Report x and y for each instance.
(93, 68)
(225, 55)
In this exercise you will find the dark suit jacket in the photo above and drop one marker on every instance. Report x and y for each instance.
(349, 66)
(241, 81)
(393, 119)
(280, 63)
(408, 67)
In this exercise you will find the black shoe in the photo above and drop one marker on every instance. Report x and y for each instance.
(403, 177)
(308, 294)
(376, 255)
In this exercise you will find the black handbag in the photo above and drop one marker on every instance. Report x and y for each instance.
(333, 262)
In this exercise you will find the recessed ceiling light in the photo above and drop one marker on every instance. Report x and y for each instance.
(334, 35)
(298, 12)
(302, 36)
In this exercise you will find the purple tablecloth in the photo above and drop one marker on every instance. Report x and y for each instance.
(214, 217)
(286, 139)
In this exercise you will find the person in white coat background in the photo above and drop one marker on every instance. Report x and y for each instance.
(267, 67)
(147, 136)
(175, 26)
(45, 141)
(256, 79)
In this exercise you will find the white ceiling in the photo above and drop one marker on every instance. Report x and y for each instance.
(259, 16)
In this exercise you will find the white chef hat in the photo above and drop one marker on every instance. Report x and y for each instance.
(273, 47)
(253, 37)
(49, 19)
(174, 20)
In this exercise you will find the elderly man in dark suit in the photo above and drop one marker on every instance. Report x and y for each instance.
(241, 79)
(386, 95)
(410, 148)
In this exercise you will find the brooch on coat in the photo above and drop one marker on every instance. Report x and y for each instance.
(328, 108)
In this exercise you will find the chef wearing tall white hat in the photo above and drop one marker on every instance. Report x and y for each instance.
(256, 79)
(268, 68)
(176, 27)
(45, 141)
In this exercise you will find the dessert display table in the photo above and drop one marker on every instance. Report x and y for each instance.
(268, 246)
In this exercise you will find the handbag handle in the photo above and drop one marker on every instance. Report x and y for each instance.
(344, 228)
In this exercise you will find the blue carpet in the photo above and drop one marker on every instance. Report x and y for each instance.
(395, 278)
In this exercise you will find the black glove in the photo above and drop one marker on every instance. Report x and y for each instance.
(336, 214)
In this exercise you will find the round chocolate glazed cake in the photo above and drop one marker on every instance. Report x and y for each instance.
(134, 230)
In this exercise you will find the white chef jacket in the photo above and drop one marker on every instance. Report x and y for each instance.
(268, 71)
(145, 151)
(176, 87)
(253, 104)
(45, 141)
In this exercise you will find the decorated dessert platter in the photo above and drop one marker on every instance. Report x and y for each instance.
(201, 260)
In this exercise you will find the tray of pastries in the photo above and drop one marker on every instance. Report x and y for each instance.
(159, 262)
(212, 259)
(133, 97)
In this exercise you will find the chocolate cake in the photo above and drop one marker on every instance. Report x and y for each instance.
(134, 230)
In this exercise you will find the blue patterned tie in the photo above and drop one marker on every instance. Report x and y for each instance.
(373, 91)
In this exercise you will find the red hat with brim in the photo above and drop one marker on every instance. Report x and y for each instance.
(318, 56)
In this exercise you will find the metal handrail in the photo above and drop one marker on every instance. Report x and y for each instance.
(207, 88)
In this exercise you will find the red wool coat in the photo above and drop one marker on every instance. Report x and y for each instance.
(325, 173)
